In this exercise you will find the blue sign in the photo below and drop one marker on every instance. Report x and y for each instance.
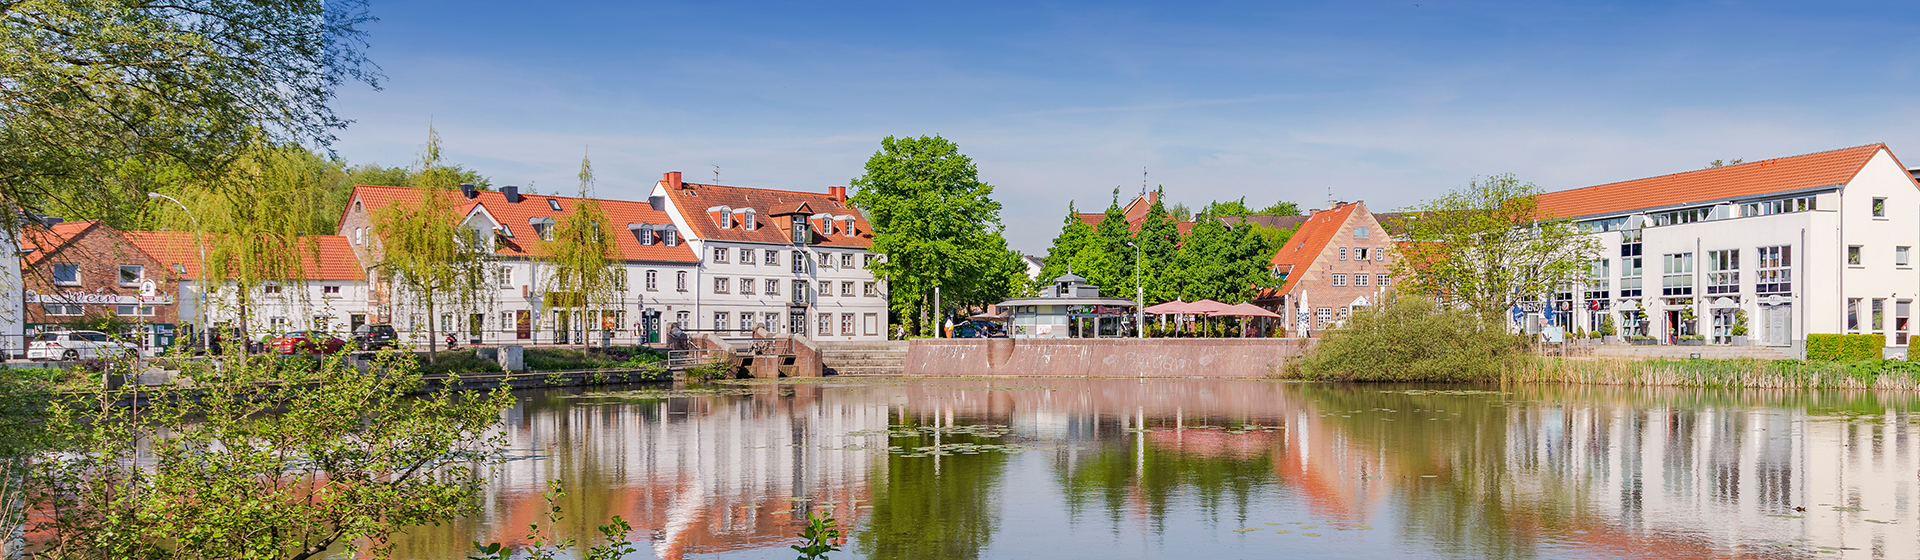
(1518, 315)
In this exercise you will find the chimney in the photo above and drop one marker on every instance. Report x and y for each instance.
(838, 193)
(659, 203)
(512, 193)
(469, 191)
(672, 178)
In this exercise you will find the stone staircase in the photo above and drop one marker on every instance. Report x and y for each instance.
(864, 358)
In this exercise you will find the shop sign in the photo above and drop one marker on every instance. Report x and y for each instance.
(96, 299)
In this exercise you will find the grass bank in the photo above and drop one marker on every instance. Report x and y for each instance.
(1735, 373)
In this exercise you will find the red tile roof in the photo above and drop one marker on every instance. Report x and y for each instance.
(324, 257)
(49, 240)
(693, 199)
(515, 216)
(1713, 184)
(1307, 243)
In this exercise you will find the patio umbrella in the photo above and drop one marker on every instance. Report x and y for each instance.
(1206, 306)
(1174, 307)
(1246, 310)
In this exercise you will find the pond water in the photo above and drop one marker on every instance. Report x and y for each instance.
(1120, 468)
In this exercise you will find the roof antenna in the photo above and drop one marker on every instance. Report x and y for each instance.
(716, 174)
(1143, 181)
(1330, 200)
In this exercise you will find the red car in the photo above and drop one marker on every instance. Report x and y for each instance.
(307, 342)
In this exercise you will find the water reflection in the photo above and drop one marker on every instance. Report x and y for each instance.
(1218, 468)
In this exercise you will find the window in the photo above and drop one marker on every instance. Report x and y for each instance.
(1879, 207)
(746, 286)
(554, 203)
(1343, 253)
(800, 233)
(772, 257)
(771, 321)
(1360, 232)
(846, 260)
(870, 323)
(1630, 275)
(271, 288)
(869, 259)
(544, 230)
(1782, 206)
(648, 235)
(1599, 279)
(746, 256)
(1678, 217)
(799, 291)
(1900, 256)
(1360, 280)
(826, 259)
(63, 309)
(1676, 274)
(1775, 273)
(720, 254)
(1381, 279)
(130, 274)
(826, 288)
(746, 219)
(799, 262)
(1324, 316)
(653, 280)
(826, 324)
(126, 310)
(683, 318)
(330, 290)
(620, 279)
(503, 276)
(1339, 280)
(66, 273)
(1630, 243)
(1723, 272)
(720, 285)
(720, 320)
(673, 237)
(846, 289)
(1879, 315)
(867, 289)
(773, 287)
(846, 324)
(1853, 255)
(680, 280)
(1853, 315)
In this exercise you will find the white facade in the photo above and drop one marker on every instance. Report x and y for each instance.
(275, 308)
(1822, 259)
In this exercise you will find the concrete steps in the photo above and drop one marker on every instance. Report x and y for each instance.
(864, 358)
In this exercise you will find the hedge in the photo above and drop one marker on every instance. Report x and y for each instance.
(1845, 347)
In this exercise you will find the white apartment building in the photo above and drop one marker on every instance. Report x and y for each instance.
(791, 262)
(1815, 243)
(657, 270)
(329, 294)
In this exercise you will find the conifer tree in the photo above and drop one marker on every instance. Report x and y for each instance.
(1159, 239)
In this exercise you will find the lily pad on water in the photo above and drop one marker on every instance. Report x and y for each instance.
(1246, 529)
(1309, 534)
(1283, 531)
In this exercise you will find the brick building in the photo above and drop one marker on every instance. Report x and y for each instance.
(86, 271)
(1335, 262)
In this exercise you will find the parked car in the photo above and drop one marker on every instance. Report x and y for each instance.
(374, 337)
(75, 345)
(307, 342)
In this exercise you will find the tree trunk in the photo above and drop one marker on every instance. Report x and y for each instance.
(433, 343)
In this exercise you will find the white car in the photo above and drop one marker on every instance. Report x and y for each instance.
(74, 345)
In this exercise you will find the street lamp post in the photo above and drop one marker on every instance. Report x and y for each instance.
(1139, 296)
(199, 239)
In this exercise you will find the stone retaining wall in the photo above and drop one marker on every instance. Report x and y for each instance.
(1111, 357)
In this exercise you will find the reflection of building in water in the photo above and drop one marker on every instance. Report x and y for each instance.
(1730, 475)
(697, 474)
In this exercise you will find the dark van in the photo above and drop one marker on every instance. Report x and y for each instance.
(374, 337)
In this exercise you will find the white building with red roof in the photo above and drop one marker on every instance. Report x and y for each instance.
(1814, 243)
(789, 261)
(326, 292)
(656, 262)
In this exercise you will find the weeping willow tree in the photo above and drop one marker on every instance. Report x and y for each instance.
(582, 272)
(427, 251)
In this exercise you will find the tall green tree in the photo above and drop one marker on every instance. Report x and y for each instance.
(1221, 263)
(1113, 274)
(1488, 244)
(428, 252)
(1159, 239)
(583, 273)
(1075, 235)
(91, 87)
(938, 226)
(1281, 208)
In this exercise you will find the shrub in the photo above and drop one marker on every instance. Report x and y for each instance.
(718, 368)
(1845, 347)
(1412, 339)
(458, 361)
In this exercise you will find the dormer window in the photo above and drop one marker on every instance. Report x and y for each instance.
(799, 229)
(554, 203)
(506, 231)
(721, 215)
(745, 217)
(542, 228)
(672, 237)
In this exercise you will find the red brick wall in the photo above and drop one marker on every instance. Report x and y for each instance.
(1318, 285)
(100, 252)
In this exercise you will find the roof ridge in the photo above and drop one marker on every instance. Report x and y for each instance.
(1724, 168)
(759, 189)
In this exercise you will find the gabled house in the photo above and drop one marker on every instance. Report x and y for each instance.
(87, 271)
(1762, 252)
(1334, 263)
(786, 261)
(656, 262)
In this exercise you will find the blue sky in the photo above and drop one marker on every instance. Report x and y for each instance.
(1387, 102)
